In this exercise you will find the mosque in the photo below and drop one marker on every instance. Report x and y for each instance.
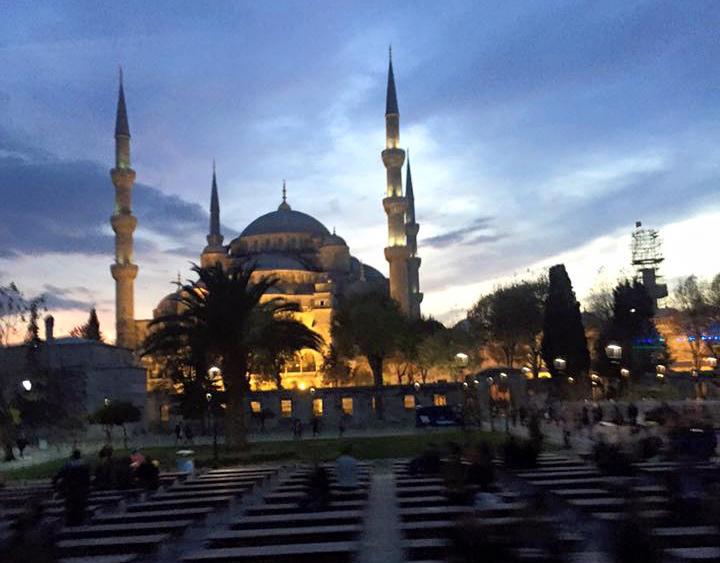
(313, 266)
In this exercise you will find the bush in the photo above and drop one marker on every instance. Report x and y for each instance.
(521, 454)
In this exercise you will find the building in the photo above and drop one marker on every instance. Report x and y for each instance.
(313, 266)
(91, 372)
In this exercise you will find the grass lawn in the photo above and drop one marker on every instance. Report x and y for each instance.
(309, 450)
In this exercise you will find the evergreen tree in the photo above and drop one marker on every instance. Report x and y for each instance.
(563, 331)
(90, 330)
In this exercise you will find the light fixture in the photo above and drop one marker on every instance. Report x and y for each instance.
(613, 352)
(27, 384)
(214, 371)
(503, 375)
(312, 390)
(301, 386)
(417, 386)
(560, 364)
(208, 396)
(571, 379)
(660, 369)
(625, 372)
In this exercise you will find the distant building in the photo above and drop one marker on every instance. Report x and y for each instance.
(91, 371)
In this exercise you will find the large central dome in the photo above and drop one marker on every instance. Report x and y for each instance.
(285, 220)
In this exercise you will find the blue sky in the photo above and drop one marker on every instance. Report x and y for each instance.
(538, 131)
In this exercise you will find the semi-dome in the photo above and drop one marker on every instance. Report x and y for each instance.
(285, 220)
(276, 261)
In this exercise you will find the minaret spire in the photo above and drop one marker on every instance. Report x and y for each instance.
(214, 251)
(411, 231)
(123, 223)
(395, 204)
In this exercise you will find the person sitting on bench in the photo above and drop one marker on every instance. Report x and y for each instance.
(347, 469)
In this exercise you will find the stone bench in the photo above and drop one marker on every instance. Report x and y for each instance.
(290, 508)
(154, 516)
(281, 498)
(179, 494)
(125, 529)
(298, 520)
(686, 536)
(162, 505)
(694, 553)
(329, 552)
(101, 559)
(433, 513)
(425, 548)
(290, 535)
(110, 545)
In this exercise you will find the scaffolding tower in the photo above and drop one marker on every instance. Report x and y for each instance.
(646, 259)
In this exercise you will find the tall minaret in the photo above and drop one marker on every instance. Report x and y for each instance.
(123, 223)
(214, 251)
(411, 231)
(396, 252)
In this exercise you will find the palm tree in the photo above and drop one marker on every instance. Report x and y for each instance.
(221, 318)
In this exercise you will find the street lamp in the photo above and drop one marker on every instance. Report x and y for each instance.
(624, 372)
(613, 352)
(27, 385)
(560, 364)
(214, 372)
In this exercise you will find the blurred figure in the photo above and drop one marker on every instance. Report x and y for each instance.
(315, 426)
(178, 433)
(105, 470)
(346, 467)
(147, 474)
(21, 444)
(318, 493)
(427, 463)
(73, 480)
(188, 433)
(632, 412)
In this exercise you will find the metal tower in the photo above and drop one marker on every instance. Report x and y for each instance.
(646, 259)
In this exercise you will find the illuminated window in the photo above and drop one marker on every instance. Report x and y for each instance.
(347, 405)
(409, 401)
(439, 400)
(317, 407)
(286, 408)
(255, 407)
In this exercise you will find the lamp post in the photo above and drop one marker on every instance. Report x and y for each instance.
(214, 372)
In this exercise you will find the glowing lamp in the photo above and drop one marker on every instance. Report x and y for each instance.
(625, 372)
(613, 352)
(27, 384)
(560, 364)
(214, 371)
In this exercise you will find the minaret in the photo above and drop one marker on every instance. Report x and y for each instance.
(411, 231)
(214, 251)
(396, 252)
(123, 223)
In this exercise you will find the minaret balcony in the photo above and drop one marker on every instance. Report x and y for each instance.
(123, 223)
(393, 253)
(393, 158)
(125, 271)
(395, 205)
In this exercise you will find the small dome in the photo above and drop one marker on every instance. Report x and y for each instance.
(334, 240)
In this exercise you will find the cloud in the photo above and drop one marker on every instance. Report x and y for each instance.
(52, 205)
(461, 235)
(59, 299)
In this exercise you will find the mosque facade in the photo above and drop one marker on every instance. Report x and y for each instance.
(312, 265)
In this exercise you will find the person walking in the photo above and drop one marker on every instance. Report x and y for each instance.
(315, 426)
(178, 433)
(188, 433)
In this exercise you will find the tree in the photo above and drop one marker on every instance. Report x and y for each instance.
(369, 324)
(563, 331)
(116, 413)
(14, 310)
(224, 316)
(698, 308)
(335, 370)
(511, 318)
(90, 330)
(632, 327)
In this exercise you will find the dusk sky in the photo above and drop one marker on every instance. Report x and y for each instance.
(539, 132)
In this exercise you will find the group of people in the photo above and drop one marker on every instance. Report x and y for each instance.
(75, 479)
(468, 472)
